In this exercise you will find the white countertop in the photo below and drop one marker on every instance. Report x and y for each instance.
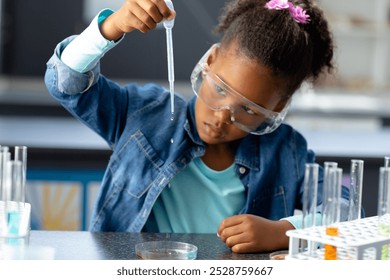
(349, 143)
(37, 132)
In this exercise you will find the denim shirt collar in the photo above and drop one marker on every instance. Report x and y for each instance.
(190, 124)
(248, 151)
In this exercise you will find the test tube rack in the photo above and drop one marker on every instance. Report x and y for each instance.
(357, 240)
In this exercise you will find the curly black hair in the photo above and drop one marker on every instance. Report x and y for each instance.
(292, 50)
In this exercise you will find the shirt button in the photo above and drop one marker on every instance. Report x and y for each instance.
(242, 170)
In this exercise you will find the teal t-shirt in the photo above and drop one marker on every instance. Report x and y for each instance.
(198, 199)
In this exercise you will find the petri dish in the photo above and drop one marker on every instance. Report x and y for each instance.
(166, 250)
(278, 255)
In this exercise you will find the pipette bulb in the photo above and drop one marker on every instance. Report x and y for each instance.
(169, 23)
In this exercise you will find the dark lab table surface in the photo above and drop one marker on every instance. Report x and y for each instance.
(83, 245)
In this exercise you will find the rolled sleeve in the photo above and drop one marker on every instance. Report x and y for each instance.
(85, 51)
(74, 66)
(66, 79)
(297, 220)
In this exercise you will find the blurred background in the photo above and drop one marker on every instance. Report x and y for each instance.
(344, 116)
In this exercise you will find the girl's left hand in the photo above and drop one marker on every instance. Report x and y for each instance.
(249, 233)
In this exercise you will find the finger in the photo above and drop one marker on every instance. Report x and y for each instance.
(152, 10)
(166, 12)
(140, 25)
(147, 22)
(228, 222)
(241, 243)
(130, 18)
(230, 231)
(236, 239)
(231, 221)
(247, 247)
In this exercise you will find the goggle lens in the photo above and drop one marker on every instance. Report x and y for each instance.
(217, 95)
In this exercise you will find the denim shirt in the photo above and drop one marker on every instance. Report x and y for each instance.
(148, 149)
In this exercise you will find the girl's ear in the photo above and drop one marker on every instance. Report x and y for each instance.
(283, 103)
(213, 55)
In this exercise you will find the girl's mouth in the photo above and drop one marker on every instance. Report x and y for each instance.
(213, 131)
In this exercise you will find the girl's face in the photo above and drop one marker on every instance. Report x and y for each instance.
(252, 80)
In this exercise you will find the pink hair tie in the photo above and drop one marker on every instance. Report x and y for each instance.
(297, 13)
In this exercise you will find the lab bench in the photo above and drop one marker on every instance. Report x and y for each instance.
(81, 245)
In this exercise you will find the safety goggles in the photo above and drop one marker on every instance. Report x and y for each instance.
(217, 95)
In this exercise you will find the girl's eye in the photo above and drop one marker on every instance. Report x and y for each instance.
(219, 90)
(248, 110)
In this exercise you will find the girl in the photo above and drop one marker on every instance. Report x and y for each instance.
(226, 163)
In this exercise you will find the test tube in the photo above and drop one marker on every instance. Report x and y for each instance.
(3, 231)
(1, 174)
(384, 207)
(13, 181)
(328, 165)
(384, 196)
(12, 196)
(310, 187)
(355, 189)
(331, 212)
(21, 155)
(309, 209)
(387, 161)
(5, 156)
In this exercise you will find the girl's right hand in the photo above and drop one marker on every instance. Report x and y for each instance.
(142, 15)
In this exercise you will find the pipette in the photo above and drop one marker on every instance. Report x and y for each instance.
(168, 24)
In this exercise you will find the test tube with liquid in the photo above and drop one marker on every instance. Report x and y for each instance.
(168, 24)
(384, 208)
(355, 189)
(4, 157)
(309, 209)
(11, 195)
(332, 210)
(14, 219)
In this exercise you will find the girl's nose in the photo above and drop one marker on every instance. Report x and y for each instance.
(224, 115)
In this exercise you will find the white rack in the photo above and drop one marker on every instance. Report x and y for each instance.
(356, 240)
